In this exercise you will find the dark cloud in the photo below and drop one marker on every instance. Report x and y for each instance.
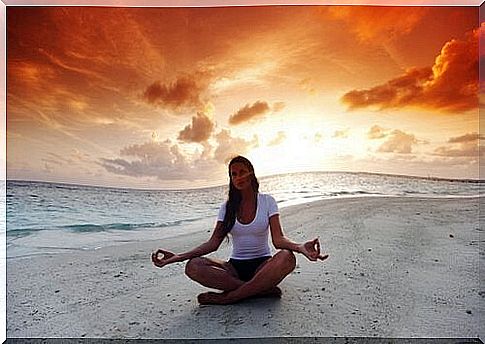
(398, 142)
(249, 112)
(165, 161)
(466, 149)
(199, 131)
(470, 137)
(461, 146)
(185, 92)
(151, 159)
(450, 85)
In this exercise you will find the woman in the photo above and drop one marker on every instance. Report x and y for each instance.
(251, 270)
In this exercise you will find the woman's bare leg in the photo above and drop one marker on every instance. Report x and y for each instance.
(213, 273)
(271, 273)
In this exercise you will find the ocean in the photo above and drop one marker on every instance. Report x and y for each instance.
(50, 218)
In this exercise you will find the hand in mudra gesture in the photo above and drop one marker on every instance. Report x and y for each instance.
(311, 250)
(166, 258)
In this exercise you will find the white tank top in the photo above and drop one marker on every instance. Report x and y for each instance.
(251, 240)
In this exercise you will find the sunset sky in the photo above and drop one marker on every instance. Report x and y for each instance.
(163, 97)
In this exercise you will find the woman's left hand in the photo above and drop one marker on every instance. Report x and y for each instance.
(311, 250)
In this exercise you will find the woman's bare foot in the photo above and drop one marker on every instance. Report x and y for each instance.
(273, 292)
(212, 298)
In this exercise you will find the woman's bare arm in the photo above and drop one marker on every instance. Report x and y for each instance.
(280, 241)
(311, 249)
(209, 246)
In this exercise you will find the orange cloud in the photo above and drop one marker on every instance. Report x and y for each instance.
(376, 132)
(200, 130)
(249, 112)
(398, 142)
(28, 72)
(450, 85)
(370, 23)
(183, 92)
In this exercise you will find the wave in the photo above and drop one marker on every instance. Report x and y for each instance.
(91, 228)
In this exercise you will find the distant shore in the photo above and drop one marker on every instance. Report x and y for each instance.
(224, 183)
(398, 267)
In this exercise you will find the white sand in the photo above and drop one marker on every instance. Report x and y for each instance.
(393, 271)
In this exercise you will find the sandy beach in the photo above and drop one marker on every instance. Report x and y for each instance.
(398, 267)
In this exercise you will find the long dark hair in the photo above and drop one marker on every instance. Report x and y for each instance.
(234, 197)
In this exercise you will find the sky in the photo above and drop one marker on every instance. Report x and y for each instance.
(164, 97)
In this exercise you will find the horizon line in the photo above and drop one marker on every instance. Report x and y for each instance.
(464, 180)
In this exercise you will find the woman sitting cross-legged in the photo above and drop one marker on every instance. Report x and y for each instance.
(251, 270)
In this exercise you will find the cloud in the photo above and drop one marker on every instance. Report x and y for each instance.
(278, 106)
(461, 146)
(341, 134)
(53, 158)
(467, 149)
(280, 137)
(199, 131)
(450, 85)
(184, 92)
(30, 73)
(381, 23)
(151, 159)
(307, 86)
(398, 142)
(74, 157)
(249, 112)
(229, 146)
(50, 161)
(165, 161)
(470, 137)
(376, 132)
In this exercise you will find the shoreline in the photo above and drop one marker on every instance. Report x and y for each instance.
(173, 231)
(393, 271)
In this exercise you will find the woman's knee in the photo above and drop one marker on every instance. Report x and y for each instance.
(289, 259)
(193, 266)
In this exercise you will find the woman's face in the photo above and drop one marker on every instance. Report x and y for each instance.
(240, 176)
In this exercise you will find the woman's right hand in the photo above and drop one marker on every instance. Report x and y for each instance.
(167, 258)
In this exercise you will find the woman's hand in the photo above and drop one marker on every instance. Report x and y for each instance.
(311, 250)
(167, 258)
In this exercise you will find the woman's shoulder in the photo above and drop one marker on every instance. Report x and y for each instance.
(266, 197)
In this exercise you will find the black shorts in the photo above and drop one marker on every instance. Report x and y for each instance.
(246, 268)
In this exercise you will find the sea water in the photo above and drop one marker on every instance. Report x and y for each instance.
(49, 217)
